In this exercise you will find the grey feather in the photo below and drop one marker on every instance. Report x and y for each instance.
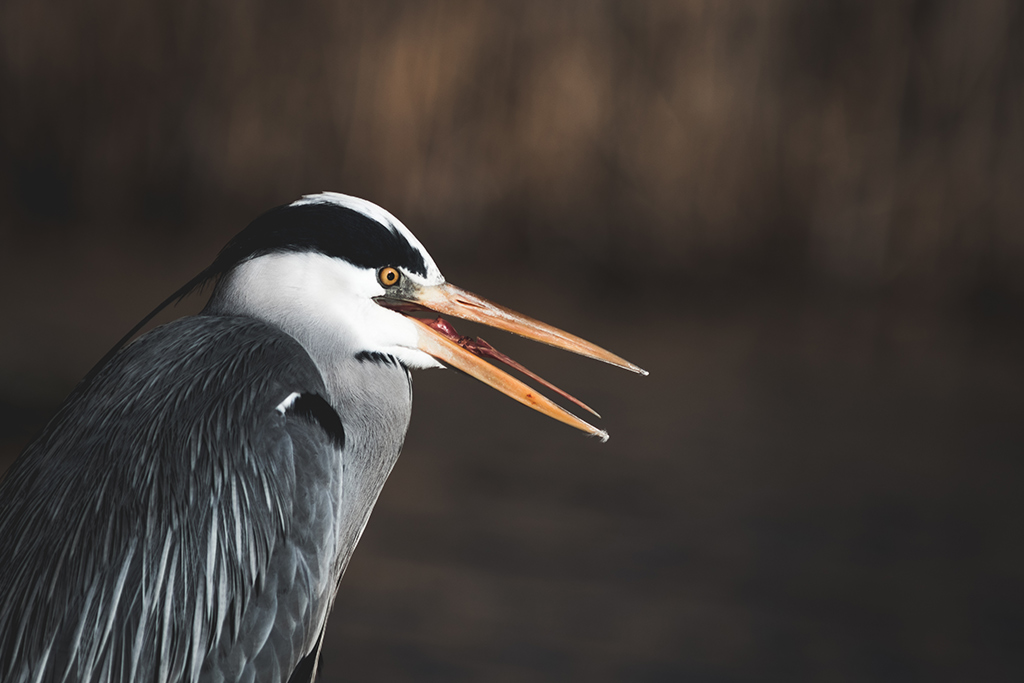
(171, 524)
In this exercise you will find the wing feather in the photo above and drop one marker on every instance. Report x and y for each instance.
(154, 530)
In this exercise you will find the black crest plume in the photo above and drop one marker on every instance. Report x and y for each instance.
(322, 227)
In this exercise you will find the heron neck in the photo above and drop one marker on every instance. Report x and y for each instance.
(374, 400)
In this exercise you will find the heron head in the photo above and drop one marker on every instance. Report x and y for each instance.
(343, 274)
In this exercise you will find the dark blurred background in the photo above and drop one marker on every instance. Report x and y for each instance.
(806, 219)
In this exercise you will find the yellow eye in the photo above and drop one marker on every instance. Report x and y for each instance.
(388, 277)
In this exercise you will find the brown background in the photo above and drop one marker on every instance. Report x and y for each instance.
(804, 218)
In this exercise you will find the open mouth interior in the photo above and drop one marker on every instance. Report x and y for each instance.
(481, 348)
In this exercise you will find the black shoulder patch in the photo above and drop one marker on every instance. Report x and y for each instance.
(326, 228)
(315, 408)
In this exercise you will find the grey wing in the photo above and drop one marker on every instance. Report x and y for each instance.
(292, 607)
(175, 520)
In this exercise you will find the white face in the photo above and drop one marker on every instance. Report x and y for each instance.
(325, 303)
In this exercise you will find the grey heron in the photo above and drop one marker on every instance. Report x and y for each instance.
(188, 513)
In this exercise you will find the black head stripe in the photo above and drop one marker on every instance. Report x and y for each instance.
(324, 228)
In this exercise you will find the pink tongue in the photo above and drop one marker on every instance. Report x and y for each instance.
(481, 348)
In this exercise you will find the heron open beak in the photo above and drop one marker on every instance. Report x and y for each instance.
(439, 339)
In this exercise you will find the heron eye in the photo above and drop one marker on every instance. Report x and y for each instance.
(388, 277)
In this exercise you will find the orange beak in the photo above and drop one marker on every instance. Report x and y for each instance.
(440, 340)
